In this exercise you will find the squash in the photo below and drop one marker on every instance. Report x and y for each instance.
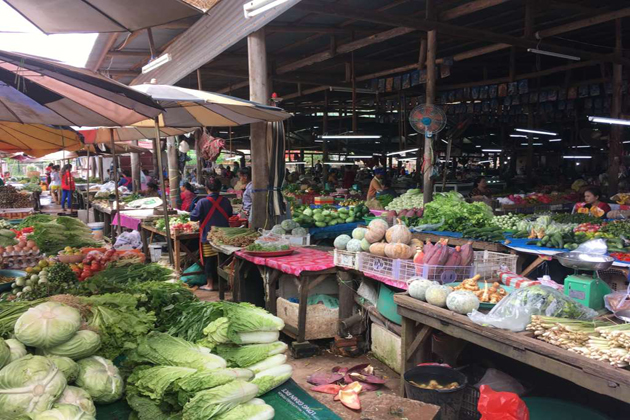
(418, 287)
(378, 248)
(341, 242)
(358, 233)
(462, 301)
(365, 245)
(353, 245)
(398, 233)
(378, 222)
(398, 251)
(417, 244)
(375, 233)
(437, 295)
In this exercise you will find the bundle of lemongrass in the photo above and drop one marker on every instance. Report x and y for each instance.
(598, 340)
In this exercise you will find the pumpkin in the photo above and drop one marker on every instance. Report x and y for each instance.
(418, 287)
(398, 251)
(353, 245)
(365, 245)
(378, 248)
(375, 233)
(378, 222)
(398, 233)
(462, 301)
(341, 241)
(358, 233)
(437, 295)
(417, 244)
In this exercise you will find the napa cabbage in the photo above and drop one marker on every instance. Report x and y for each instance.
(155, 381)
(268, 363)
(207, 379)
(213, 402)
(271, 378)
(64, 412)
(243, 356)
(255, 409)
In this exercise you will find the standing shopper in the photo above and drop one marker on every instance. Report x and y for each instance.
(67, 187)
(246, 179)
(213, 210)
(55, 184)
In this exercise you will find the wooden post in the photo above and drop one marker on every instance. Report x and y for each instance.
(101, 170)
(198, 133)
(157, 144)
(258, 92)
(615, 148)
(325, 142)
(135, 170)
(87, 196)
(173, 170)
(167, 226)
(115, 178)
(430, 99)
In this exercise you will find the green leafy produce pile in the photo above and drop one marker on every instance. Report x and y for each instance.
(329, 216)
(507, 221)
(116, 276)
(32, 187)
(131, 197)
(256, 247)
(160, 224)
(456, 213)
(617, 228)
(53, 236)
(575, 218)
(30, 221)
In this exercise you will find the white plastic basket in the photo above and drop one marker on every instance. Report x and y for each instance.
(346, 259)
(487, 263)
(293, 240)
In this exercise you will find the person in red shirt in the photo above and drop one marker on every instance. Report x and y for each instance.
(187, 195)
(67, 187)
(592, 203)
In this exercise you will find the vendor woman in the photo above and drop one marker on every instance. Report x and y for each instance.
(213, 210)
(592, 203)
(480, 188)
(376, 185)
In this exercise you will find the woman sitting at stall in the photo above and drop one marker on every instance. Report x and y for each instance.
(213, 210)
(592, 203)
(480, 189)
(188, 195)
(152, 190)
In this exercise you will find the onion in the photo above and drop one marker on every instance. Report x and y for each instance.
(9, 248)
(17, 248)
(1, 250)
(31, 244)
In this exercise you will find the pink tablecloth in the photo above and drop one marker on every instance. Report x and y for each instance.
(126, 221)
(303, 259)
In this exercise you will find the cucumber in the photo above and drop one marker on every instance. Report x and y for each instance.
(7, 233)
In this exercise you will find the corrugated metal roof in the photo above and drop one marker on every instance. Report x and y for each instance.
(223, 26)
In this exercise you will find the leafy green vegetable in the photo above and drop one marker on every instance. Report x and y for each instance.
(83, 344)
(456, 213)
(207, 379)
(271, 378)
(249, 318)
(162, 349)
(78, 397)
(11, 311)
(5, 353)
(243, 356)
(268, 363)
(66, 365)
(216, 401)
(155, 381)
(63, 412)
(255, 409)
(100, 378)
(30, 221)
(53, 236)
(190, 324)
(16, 348)
(106, 280)
(47, 325)
(147, 409)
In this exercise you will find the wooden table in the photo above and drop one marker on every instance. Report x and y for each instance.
(420, 319)
(148, 231)
(305, 283)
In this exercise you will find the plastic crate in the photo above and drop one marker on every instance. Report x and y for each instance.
(293, 240)
(487, 263)
(346, 259)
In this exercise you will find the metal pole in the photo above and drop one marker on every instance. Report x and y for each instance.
(163, 185)
(88, 185)
(113, 145)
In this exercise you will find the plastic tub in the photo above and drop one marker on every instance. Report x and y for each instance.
(449, 400)
(386, 305)
(97, 230)
(155, 251)
(551, 408)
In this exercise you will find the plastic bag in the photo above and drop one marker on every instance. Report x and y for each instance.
(271, 240)
(514, 312)
(500, 382)
(594, 246)
(501, 405)
(128, 240)
(194, 279)
(617, 301)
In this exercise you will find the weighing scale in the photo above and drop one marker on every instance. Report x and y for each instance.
(589, 290)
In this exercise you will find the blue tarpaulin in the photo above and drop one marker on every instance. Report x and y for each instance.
(331, 232)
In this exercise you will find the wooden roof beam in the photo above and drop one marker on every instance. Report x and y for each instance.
(584, 23)
(468, 8)
(448, 29)
(315, 29)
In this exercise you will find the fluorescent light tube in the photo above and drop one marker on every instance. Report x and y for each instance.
(609, 120)
(485, 161)
(582, 147)
(518, 135)
(357, 136)
(154, 64)
(553, 54)
(358, 157)
(491, 150)
(338, 163)
(625, 142)
(401, 152)
(554, 140)
(577, 157)
(256, 7)
(546, 133)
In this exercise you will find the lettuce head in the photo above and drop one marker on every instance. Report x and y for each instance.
(64, 412)
(67, 366)
(78, 397)
(47, 325)
(83, 344)
(101, 379)
(17, 349)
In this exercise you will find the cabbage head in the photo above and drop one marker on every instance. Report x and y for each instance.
(77, 397)
(5, 353)
(30, 384)
(255, 409)
(47, 325)
(64, 412)
(101, 379)
(17, 349)
(83, 344)
(213, 402)
(271, 378)
(67, 366)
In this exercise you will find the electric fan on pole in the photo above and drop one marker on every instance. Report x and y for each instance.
(427, 119)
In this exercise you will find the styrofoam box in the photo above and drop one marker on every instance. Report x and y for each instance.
(387, 347)
(321, 322)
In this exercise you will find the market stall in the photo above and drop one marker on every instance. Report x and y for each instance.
(180, 241)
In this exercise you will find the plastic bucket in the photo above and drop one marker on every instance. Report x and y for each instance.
(449, 400)
(155, 250)
(386, 305)
(97, 230)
